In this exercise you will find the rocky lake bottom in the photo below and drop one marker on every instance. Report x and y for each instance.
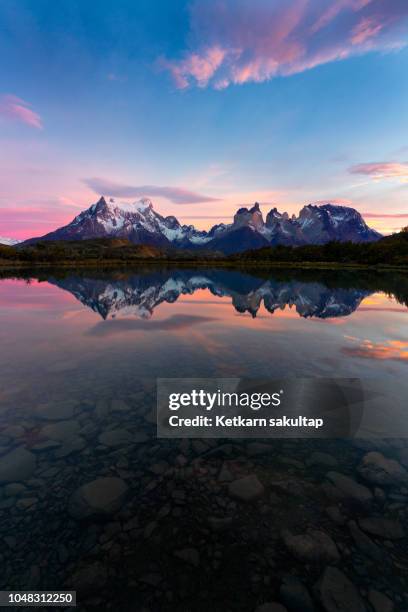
(91, 501)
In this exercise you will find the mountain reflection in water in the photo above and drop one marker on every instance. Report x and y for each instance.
(140, 293)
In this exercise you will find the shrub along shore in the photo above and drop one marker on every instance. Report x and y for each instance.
(389, 252)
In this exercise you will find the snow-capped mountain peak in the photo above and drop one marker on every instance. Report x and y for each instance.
(321, 223)
(9, 241)
(141, 224)
(136, 221)
(141, 206)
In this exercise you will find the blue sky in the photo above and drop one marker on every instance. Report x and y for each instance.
(219, 102)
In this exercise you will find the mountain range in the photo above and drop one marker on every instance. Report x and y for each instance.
(141, 224)
(140, 294)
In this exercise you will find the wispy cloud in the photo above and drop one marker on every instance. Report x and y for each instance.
(382, 170)
(234, 41)
(385, 216)
(198, 66)
(177, 195)
(174, 323)
(339, 201)
(16, 109)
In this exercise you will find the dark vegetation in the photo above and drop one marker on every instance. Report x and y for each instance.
(99, 250)
(389, 251)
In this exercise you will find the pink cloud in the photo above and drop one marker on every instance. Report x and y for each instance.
(16, 109)
(200, 67)
(177, 195)
(366, 29)
(25, 221)
(235, 42)
(333, 11)
(385, 216)
(382, 170)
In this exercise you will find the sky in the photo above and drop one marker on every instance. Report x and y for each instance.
(203, 106)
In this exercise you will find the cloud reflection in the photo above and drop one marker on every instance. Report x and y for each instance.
(394, 350)
(171, 324)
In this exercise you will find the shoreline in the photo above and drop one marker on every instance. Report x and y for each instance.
(98, 264)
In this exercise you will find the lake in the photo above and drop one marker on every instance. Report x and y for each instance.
(91, 500)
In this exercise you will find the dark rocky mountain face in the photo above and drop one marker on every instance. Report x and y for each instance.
(251, 218)
(320, 224)
(139, 294)
(237, 240)
(141, 224)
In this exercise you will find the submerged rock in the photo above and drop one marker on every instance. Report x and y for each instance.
(57, 410)
(45, 446)
(335, 514)
(311, 547)
(189, 555)
(89, 579)
(119, 405)
(347, 488)
(159, 468)
(13, 431)
(18, 464)
(364, 543)
(379, 470)
(101, 497)
(294, 594)
(380, 602)
(246, 489)
(225, 474)
(337, 593)
(60, 431)
(382, 528)
(116, 438)
(75, 444)
(14, 489)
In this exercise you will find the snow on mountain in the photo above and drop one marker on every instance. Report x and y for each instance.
(314, 225)
(139, 295)
(9, 241)
(141, 224)
(322, 223)
(138, 222)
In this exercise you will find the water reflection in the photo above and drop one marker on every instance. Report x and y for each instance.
(139, 294)
(91, 500)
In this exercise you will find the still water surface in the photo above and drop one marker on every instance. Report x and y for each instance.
(103, 331)
(80, 353)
